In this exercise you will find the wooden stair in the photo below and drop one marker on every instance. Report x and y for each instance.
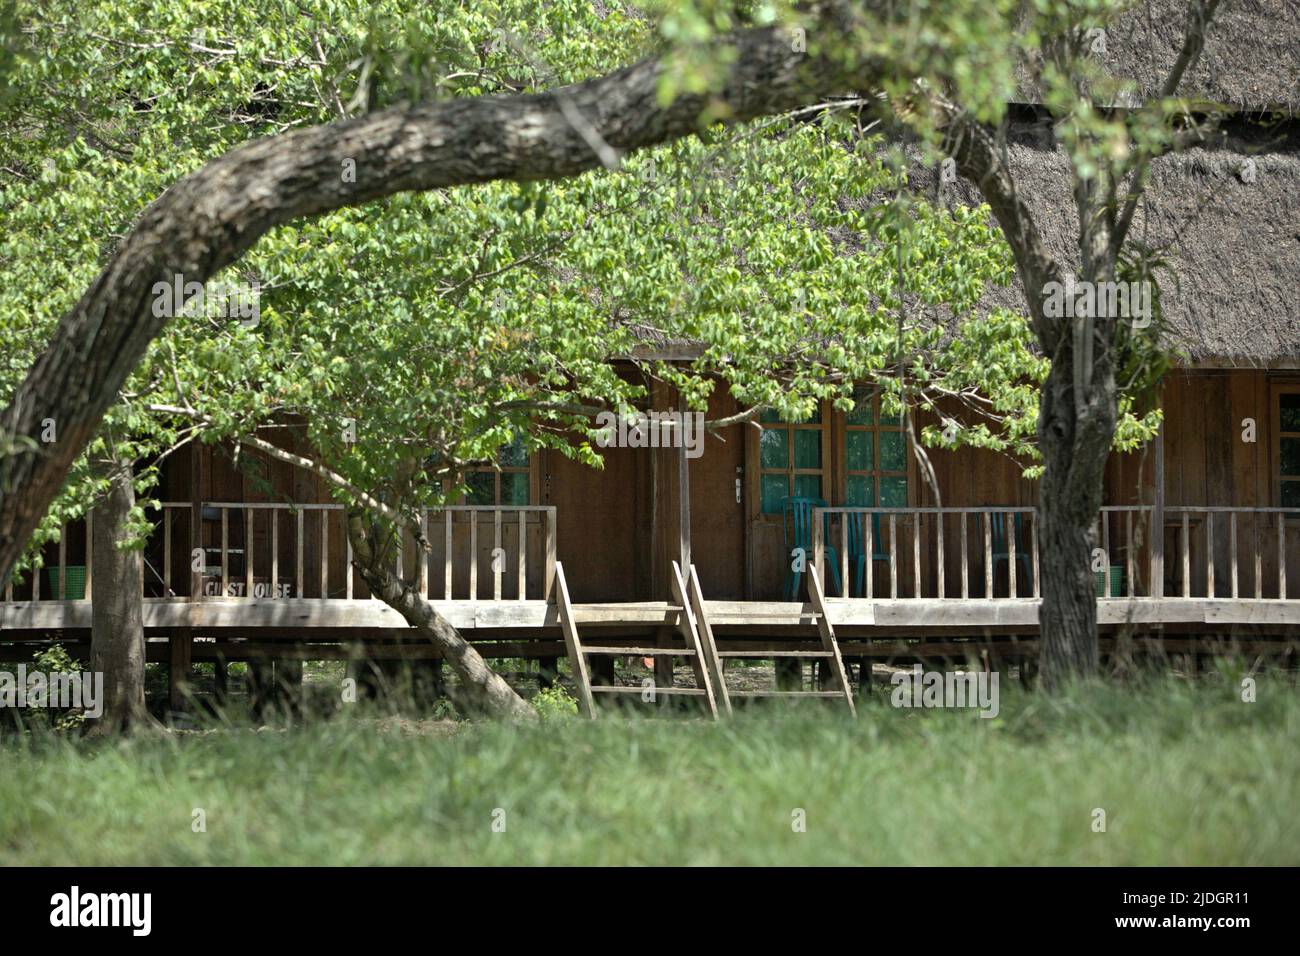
(701, 650)
(693, 651)
(840, 687)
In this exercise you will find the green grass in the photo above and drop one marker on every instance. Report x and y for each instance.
(1186, 774)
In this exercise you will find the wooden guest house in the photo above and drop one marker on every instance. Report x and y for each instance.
(668, 553)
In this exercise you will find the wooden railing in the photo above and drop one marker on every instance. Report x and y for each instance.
(994, 552)
(64, 579)
(1240, 553)
(272, 550)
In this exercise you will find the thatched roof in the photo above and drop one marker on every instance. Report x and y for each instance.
(1251, 60)
(1231, 292)
(1232, 288)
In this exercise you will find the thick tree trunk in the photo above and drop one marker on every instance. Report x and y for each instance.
(1075, 439)
(117, 617)
(481, 688)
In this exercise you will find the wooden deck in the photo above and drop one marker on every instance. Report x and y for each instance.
(492, 573)
(733, 617)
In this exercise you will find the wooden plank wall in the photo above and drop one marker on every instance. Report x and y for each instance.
(1208, 463)
(618, 527)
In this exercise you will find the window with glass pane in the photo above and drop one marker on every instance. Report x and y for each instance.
(506, 485)
(789, 460)
(1288, 453)
(875, 455)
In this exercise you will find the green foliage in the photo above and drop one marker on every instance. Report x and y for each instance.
(555, 703)
(439, 326)
(54, 659)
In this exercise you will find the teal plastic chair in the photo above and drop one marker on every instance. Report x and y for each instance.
(796, 524)
(858, 549)
(998, 525)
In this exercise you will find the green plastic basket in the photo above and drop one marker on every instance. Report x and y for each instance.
(1111, 584)
(74, 578)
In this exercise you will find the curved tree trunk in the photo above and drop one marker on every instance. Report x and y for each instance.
(209, 219)
(481, 688)
(117, 619)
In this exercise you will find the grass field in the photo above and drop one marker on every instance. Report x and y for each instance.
(1186, 774)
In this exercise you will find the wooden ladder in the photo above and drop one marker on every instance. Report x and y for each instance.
(578, 652)
(830, 652)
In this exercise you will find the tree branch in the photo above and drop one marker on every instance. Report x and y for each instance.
(210, 218)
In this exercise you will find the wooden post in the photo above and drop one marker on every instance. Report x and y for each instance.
(196, 521)
(789, 673)
(683, 499)
(248, 552)
(324, 553)
(288, 685)
(179, 668)
(90, 569)
(220, 681)
(446, 550)
(498, 569)
(225, 552)
(261, 680)
(549, 583)
(1158, 520)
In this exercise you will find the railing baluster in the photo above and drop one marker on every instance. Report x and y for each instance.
(167, 551)
(988, 555)
(521, 567)
(1129, 565)
(1033, 546)
(844, 555)
(1105, 546)
(401, 552)
(473, 555)
(965, 555)
(1232, 547)
(275, 552)
(324, 553)
(90, 540)
(1209, 554)
(550, 553)
(1281, 555)
(939, 551)
(498, 568)
(225, 552)
(424, 553)
(1011, 553)
(347, 562)
(916, 555)
(1259, 559)
(446, 587)
(869, 532)
(893, 557)
(63, 562)
(300, 571)
(818, 545)
(248, 552)
(1187, 556)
